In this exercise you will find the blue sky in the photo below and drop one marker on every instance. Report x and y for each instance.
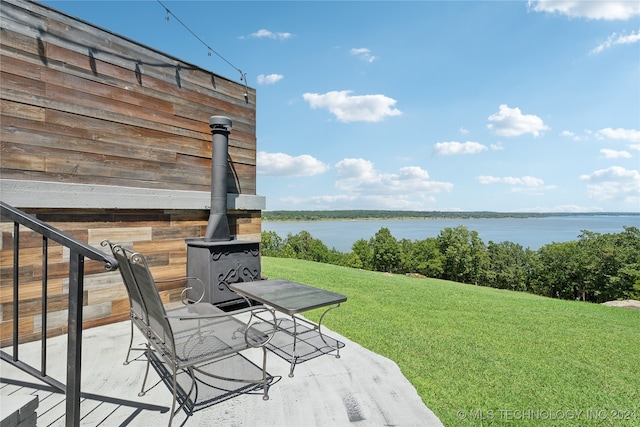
(509, 106)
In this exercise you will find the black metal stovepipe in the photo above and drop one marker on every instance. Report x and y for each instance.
(218, 225)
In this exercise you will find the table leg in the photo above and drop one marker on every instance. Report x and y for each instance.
(318, 327)
(294, 357)
(337, 347)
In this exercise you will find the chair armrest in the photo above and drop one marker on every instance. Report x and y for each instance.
(253, 310)
(249, 327)
(183, 294)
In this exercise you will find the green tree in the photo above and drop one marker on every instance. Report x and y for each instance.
(557, 272)
(288, 252)
(610, 264)
(354, 261)
(386, 251)
(306, 247)
(362, 254)
(407, 263)
(424, 257)
(465, 255)
(271, 244)
(508, 266)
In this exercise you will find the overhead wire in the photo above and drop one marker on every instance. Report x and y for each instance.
(243, 76)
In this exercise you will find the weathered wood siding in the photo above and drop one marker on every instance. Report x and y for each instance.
(87, 109)
(85, 106)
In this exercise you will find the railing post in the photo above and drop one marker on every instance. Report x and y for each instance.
(45, 299)
(16, 288)
(74, 343)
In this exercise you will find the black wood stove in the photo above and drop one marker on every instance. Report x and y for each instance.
(216, 258)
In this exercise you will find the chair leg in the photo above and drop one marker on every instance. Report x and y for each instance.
(189, 371)
(146, 373)
(265, 386)
(175, 394)
(126, 360)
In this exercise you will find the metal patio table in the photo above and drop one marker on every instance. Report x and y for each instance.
(292, 298)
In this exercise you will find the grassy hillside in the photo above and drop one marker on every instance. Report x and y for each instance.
(482, 356)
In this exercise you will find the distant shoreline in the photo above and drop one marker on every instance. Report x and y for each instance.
(342, 215)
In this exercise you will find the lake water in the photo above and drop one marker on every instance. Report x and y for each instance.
(528, 232)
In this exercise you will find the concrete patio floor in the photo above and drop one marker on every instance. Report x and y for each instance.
(361, 388)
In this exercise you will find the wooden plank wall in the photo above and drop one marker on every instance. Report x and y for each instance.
(81, 105)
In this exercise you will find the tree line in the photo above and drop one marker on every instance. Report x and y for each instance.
(597, 267)
(360, 214)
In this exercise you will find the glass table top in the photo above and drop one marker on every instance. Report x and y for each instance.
(286, 296)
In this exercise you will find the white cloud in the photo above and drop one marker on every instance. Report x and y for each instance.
(269, 79)
(361, 201)
(526, 181)
(363, 53)
(634, 147)
(613, 40)
(575, 137)
(511, 122)
(348, 108)
(526, 184)
(571, 135)
(630, 135)
(614, 154)
(450, 148)
(497, 146)
(606, 10)
(262, 34)
(614, 183)
(464, 131)
(362, 186)
(280, 164)
(358, 176)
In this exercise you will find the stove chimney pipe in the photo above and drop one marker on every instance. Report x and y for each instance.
(218, 225)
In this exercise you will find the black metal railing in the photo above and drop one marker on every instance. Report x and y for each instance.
(78, 252)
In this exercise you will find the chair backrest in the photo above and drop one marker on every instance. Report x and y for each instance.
(158, 322)
(135, 299)
(144, 294)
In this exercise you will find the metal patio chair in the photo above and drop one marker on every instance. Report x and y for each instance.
(195, 334)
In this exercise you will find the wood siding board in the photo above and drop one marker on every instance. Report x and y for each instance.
(170, 233)
(107, 91)
(17, 44)
(23, 131)
(86, 98)
(14, 157)
(26, 274)
(16, 84)
(30, 256)
(9, 109)
(16, 67)
(242, 155)
(93, 166)
(146, 247)
(25, 327)
(79, 179)
(157, 138)
(55, 108)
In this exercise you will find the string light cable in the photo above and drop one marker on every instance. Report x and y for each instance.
(243, 76)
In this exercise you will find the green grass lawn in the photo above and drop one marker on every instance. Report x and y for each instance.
(483, 356)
